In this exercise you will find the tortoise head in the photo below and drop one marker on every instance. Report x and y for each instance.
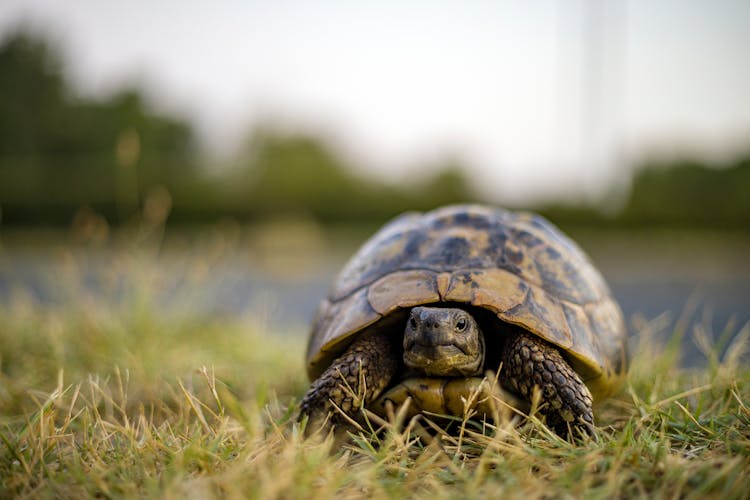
(443, 342)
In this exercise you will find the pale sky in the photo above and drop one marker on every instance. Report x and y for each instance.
(539, 99)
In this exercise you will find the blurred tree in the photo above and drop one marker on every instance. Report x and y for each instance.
(688, 192)
(59, 151)
(31, 96)
(679, 192)
(296, 173)
(449, 184)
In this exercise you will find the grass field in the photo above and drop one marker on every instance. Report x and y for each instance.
(104, 396)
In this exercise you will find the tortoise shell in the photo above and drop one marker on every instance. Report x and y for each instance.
(517, 265)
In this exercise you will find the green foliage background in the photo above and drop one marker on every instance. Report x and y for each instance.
(61, 152)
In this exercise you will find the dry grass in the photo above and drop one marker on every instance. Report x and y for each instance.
(108, 398)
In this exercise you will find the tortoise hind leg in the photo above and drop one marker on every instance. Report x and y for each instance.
(528, 362)
(354, 379)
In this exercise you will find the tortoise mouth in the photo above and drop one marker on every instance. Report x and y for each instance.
(441, 360)
(434, 351)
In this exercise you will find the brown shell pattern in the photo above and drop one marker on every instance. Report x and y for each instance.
(518, 265)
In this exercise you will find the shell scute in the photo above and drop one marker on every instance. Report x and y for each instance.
(335, 322)
(495, 289)
(541, 314)
(403, 289)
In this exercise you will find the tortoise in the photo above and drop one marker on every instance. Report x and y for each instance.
(434, 300)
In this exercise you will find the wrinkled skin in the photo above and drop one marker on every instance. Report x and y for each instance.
(443, 343)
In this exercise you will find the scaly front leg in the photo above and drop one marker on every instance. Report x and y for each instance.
(354, 379)
(530, 362)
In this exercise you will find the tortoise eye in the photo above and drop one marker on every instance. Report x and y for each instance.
(461, 325)
(413, 323)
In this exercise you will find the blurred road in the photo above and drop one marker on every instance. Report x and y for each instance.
(704, 277)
